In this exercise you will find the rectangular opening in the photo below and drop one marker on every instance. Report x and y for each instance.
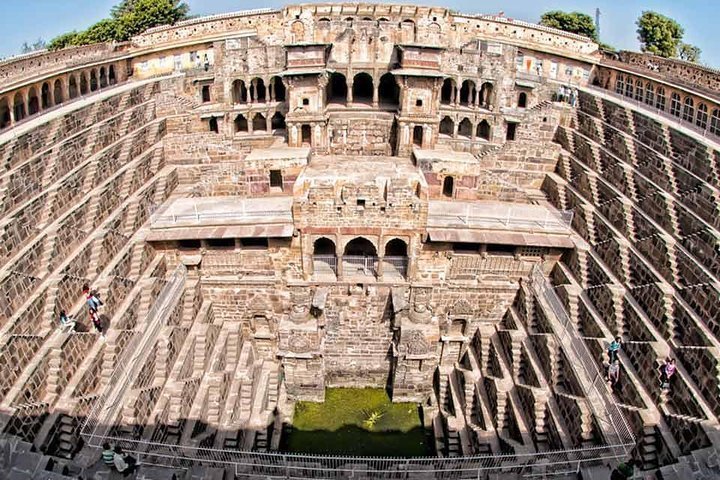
(254, 243)
(221, 243)
(206, 93)
(276, 180)
(466, 247)
(498, 249)
(361, 203)
(511, 129)
(188, 244)
(306, 101)
(418, 102)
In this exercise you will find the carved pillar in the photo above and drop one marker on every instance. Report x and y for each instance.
(376, 95)
(455, 129)
(349, 93)
(252, 91)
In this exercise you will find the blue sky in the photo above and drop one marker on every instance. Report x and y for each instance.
(26, 20)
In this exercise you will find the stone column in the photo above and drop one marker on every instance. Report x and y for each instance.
(455, 129)
(252, 91)
(268, 123)
(376, 95)
(455, 99)
(473, 132)
(349, 98)
(271, 90)
(66, 88)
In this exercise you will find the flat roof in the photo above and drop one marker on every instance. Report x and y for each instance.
(279, 153)
(327, 169)
(223, 212)
(496, 218)
(442, 155)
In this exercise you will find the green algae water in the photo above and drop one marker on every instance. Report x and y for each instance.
(358, 422)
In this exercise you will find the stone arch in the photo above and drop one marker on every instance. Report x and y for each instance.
(522, 100)
(45, 100)
(447, 92)
(259, 122)
(649, 94)
(336, 89)
(483, 130)
(83, 84)
(447, 126)
(72, 87)
(103, 77)
(360, 246)
(348, 22)
(675, 108)
(324, 246)
(448, 186)
(362, 88)
(467, 92)
(639, 90)
(18, 107)
(702, 116)
(688, 110)
(239, 92)
(241, 124)
(389, 91)
(93, 80)
(407, 30)
(396, 248)
(660, 98)
(620, 84)
(486, 94)
(58, 92)
(257, 89)
(277, 89)
(33, 101)
(324, 23)
(5, 117)
(111, 75)
(277, 121)
(715, 122)
(297, 28)
(465, 128)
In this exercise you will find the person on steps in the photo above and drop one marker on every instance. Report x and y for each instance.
(108, 456)
(614, 374)
(613, 350)
(667, 371)
(124, 464)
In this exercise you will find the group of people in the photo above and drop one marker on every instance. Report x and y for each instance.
(667, 369)
(93, 302)
(567, 95)
(115, 459)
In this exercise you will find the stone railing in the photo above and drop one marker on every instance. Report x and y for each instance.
(677, 71)
(22, 67)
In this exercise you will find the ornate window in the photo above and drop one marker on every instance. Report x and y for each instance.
(689, 110)
(702, 116)
(675, 105)
(620, 84)
(660, 99)
(649, 94)
(715, 122)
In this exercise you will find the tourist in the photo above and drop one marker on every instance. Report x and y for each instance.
(65, 321)
(667, 371)
(573, 97)
(614, 375)
(124, 464)
(108, 456)
(97, 323)
(92, 297)
(614, 350)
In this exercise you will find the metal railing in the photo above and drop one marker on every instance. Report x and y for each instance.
(470, 266)
(354, 265)
(559, 219)
(598, 389)
(198, 216)
(324, 264)
(104, 412)
(394, 266)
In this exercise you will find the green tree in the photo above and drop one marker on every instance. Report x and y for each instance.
(103, 31)
(689, 53)
(63, 41)
(573, 22)
(659, 34)
(140, 15)
(128, 18)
